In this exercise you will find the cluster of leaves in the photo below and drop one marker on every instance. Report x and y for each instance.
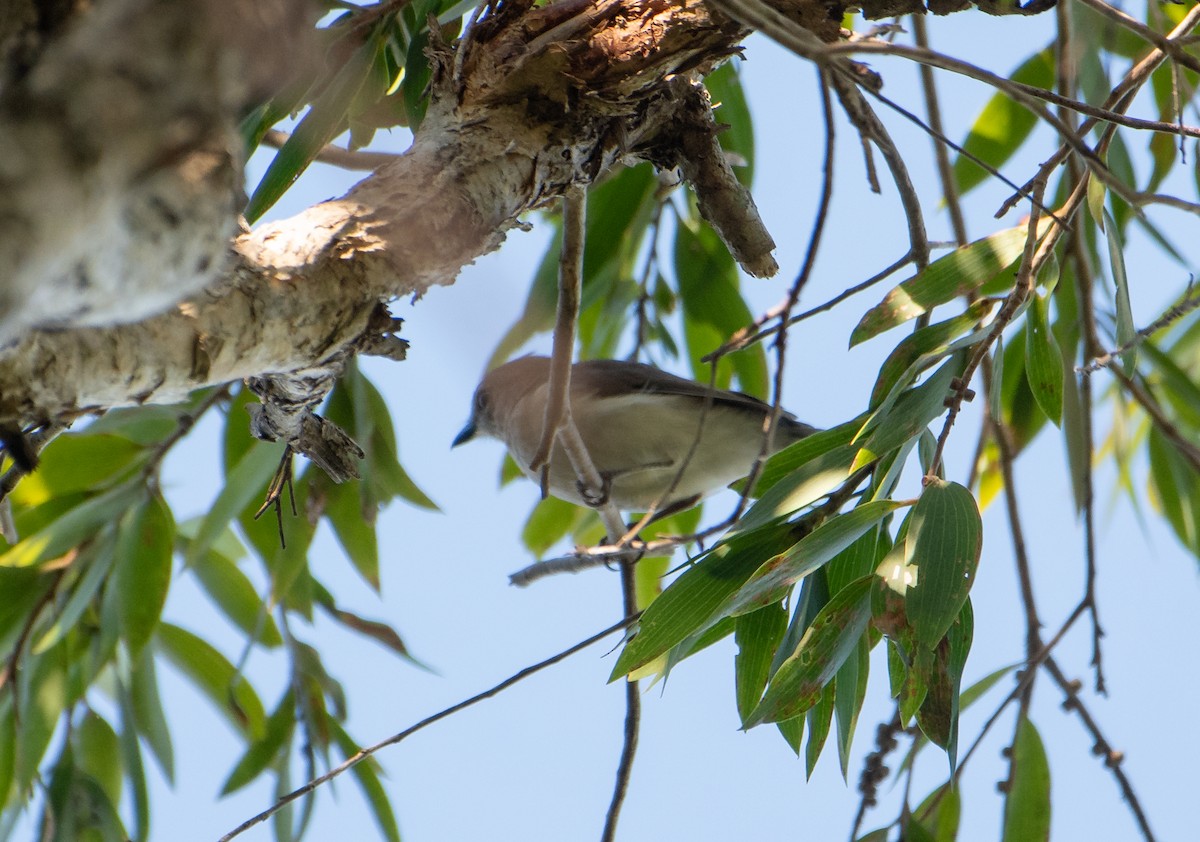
(802, 589)
(374, 76)
(81, 612)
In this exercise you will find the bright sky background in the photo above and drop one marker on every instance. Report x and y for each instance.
(537, 762)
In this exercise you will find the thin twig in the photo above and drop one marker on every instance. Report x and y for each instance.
(1165, 426)
(336, 156)
(941, 157)
(746, 336)
(1102, 747)
(1138, 28)
(810, 258)
(361, 755)
(1189, 303)
(633, 713)
(1085, 285)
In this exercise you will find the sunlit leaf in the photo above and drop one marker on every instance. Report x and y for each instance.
(944, 541)
(957, 273)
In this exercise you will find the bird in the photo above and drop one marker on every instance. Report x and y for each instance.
(638, 424)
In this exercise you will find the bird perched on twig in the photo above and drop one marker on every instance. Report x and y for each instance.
(638, 424)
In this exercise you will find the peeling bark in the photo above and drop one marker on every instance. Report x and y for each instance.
(539, 99)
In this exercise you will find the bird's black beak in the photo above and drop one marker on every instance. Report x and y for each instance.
(465, 434)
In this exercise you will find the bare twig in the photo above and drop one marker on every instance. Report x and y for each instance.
(1138, 28)
(933, 109)
(1187, 305)
(748, 336)
(874, 771)
(336, 156)
(363, 754)
(1101, 747)
(633, 713)
(1186, 448)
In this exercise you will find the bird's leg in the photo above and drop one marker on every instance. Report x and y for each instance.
(672, 509)
(592, 497)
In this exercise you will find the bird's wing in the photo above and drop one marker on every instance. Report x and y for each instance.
(605, 378)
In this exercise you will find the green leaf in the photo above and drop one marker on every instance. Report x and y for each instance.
(778, 574)
(692, 598)
(818, 718)
(366, 774)
(131, 760)
(325, 119)
(1126, 331)
(233, 593)
(148, 713)
(550, 521)
(829, 641)
(1003, 124)
(940, 812)
(944, 541)
(1027, 808)
(792, 457)
(142, 575)
(87, 462)
(72, 528)
(805, 485)
(216, 677)
(98, 754)
(708, 288)
(957, 273)
(42, 697)
(925, 342)
(94, 562)
(1043, 361)
(757, 634)
(893, 426)
(261, 753)
(243, 485)
(849, 693)
(356, 534)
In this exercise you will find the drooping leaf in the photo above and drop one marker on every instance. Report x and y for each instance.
(1043, 361)
(829, 641)
(215, 676)
(1126, 331)
(692, 598)
(1027, 808)
(944, 541)
(142, 574)
(261, 753)
(758, 634)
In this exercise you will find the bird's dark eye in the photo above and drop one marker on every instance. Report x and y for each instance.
(481, 402)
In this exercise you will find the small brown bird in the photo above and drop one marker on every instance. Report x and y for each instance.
(638, 424)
